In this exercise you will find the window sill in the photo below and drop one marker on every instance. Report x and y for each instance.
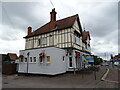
(70, 67)
(47, 62)
(32, 62)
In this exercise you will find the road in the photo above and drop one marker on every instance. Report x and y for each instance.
(68, 80)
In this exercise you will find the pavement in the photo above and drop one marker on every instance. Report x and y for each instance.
(113, 75)
(67, 80)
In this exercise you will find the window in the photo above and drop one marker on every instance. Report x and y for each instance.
(48, 59)
(39, 42)
(30, 59)
(21, 59)
(77, 37)
(34, 59)
(42, 41)
(25, 59)
(63, 58)
(41, 59)
(77, 40)
(70, 61)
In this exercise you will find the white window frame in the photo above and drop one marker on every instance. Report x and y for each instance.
(31, 59)
(47, 58)
(34, 59)
(25, 60)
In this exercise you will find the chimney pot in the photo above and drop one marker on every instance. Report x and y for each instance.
(29, 30)
(52, 19)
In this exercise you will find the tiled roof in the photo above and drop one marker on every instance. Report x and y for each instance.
(60, 24)
(12, 56)
(85, 35)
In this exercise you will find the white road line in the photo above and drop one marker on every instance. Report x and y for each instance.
(105, 75)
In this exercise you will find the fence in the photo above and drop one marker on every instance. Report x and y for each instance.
(9, 68)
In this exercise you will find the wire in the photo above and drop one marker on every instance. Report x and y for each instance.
(54, 7)
(51, 3)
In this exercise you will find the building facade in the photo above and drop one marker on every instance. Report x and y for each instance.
(66, 34)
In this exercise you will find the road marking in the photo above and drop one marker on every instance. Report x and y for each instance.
(105, 75)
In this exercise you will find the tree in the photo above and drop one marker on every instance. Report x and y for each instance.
(97, 60)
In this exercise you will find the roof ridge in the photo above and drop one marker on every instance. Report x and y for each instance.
(56, 21)
(62, 23)
(68, 17)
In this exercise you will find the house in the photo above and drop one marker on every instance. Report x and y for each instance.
(8, 64)
(63, 38)
(116, 59)
(86, 42)
(10, 58)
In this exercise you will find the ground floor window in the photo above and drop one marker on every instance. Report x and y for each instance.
(48, 59)
(70, 61)
(30, 59)
(34, 59)
(41, 59)
(63, 58)
(21, 59)
(25, 59)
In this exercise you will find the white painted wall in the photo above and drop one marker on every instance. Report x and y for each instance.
(56, 65)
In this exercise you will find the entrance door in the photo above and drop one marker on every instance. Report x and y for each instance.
(70, 62)
(77, 58)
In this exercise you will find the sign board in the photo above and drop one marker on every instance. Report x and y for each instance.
(84, 60)
(90, 59)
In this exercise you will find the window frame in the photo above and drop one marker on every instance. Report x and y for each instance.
(70, 62)
(25, 60)
(63, 58)
(34, 59)
(40, 59)
(31, 60)
(47, 59)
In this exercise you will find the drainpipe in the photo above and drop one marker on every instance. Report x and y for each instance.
(28, 61)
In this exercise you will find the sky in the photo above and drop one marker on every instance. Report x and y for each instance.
(100, 18)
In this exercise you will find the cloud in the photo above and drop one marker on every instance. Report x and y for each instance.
(99, 18)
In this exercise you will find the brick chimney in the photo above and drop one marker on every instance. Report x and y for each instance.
(29, 30)
(52, 19)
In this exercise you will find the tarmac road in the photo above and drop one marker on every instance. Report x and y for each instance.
(68, 80)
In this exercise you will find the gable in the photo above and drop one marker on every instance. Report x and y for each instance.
(76, 26)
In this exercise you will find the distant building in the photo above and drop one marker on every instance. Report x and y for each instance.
(10, 58)
(116, 58)
(64, 38)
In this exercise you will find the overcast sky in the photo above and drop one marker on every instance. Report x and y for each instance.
(99, 18)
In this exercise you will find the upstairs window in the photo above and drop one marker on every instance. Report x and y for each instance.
(42, 41)
(77, 37)
(39, 41)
